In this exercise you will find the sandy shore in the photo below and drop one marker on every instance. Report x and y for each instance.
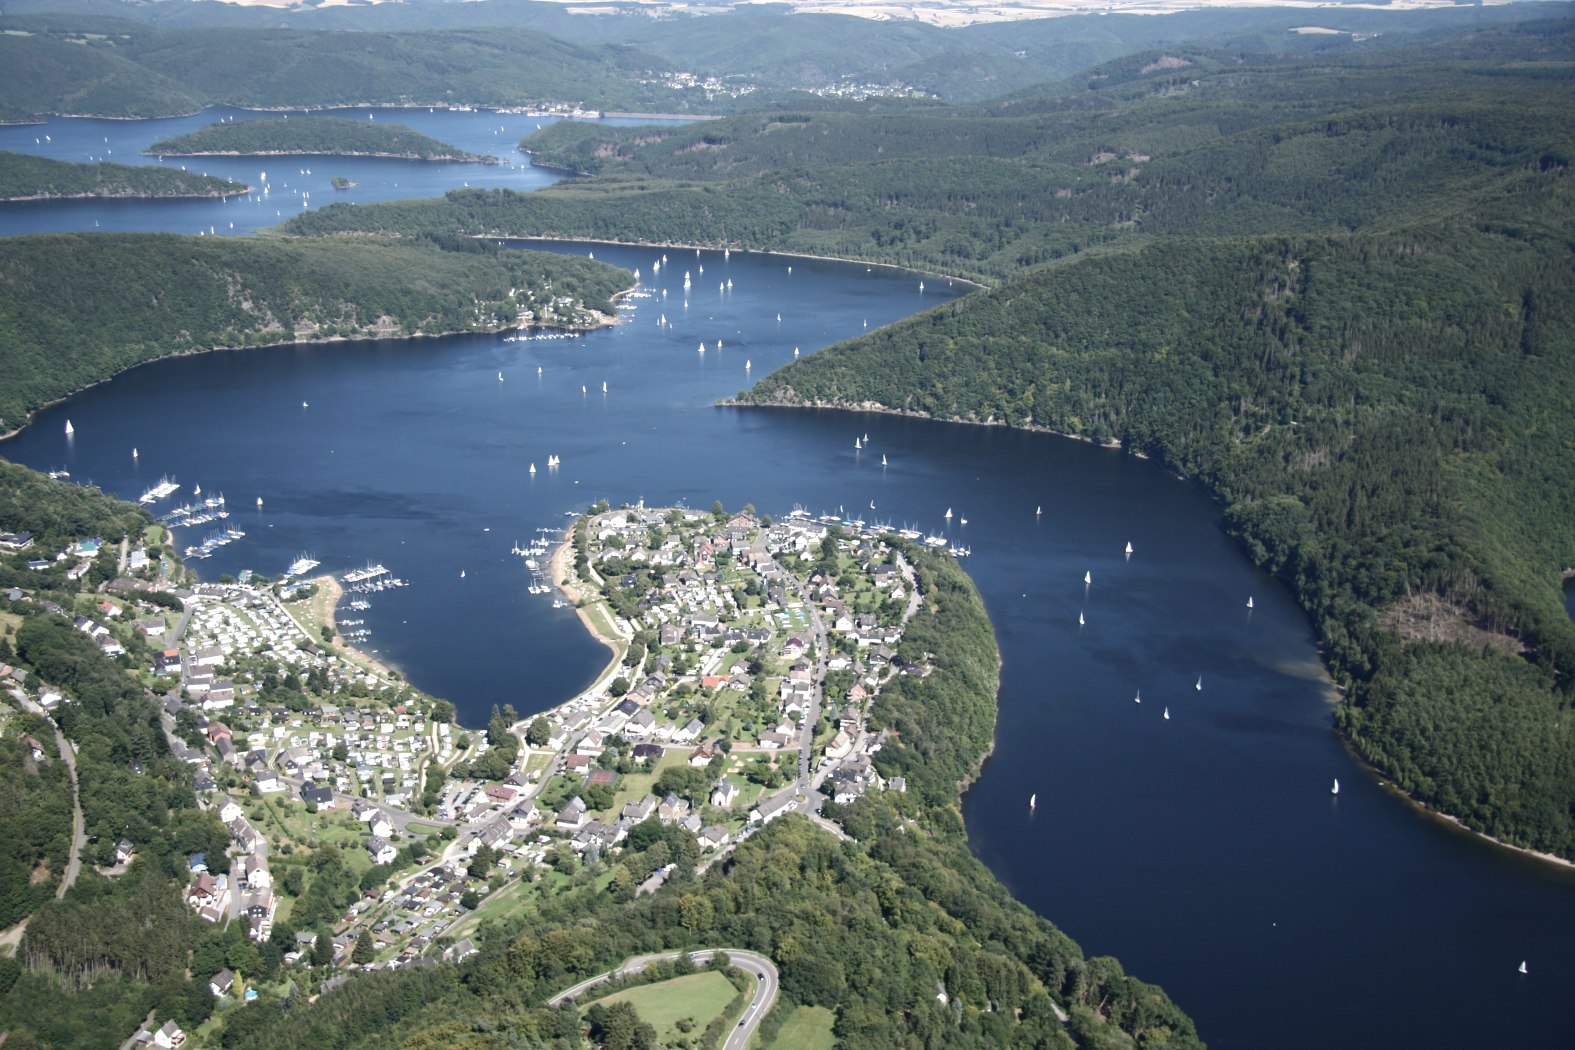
(560, 571)
(323, 610)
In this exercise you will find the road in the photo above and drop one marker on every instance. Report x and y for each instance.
(78, 826)
(764, 970)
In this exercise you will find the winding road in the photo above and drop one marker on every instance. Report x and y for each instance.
(764, 969)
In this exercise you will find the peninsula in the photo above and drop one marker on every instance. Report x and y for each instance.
(26, 178)
(326, 136)
(772, 760)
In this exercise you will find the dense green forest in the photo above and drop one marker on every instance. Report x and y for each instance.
(612, 56)
(872, 928)
(29, 178)
(338, 136)
(123, 69)
(93, 964)
(1183, 143)
(1334, 288)
(77, 308)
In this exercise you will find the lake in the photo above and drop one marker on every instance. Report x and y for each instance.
(1204, 850)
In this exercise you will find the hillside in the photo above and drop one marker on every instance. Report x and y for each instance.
(124, 69)
(334, 136)
(31, 178)
(1180, 143)
(1333, 288)
(77, 308)
(764, 49)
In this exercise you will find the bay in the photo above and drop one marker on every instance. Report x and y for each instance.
(1204, 850)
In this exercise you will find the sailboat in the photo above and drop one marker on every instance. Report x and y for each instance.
(1137, 697)
(1080, 617)
(604, 386)
(197, 491)
(1039, 510)
(1088, 577)
(500, 377)
(1167, 714)
(582, 389)
(948, 514)
(1522, 967)
(305, 405)
(538, 369)
(702, 348)
(1199, 686)
(872, 504)
(883, 459)
(259, 501)
(747, 365)
(1335, 790)
(1129, 548)
(533, 468)
(857, 443)
(1033, 803)
(462, 574)
(1249, 601)
(69, 428)
(719, 344)
(133, 453)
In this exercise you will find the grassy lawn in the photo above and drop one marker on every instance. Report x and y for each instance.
(698, 996)
(415, 827)
(806, 1028)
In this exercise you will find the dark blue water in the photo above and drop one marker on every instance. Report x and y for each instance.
(1205, 851)
(294, 184)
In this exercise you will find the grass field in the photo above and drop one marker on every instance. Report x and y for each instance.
(806, 1028)
(698, 997)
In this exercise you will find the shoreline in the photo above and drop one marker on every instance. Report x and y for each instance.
(126, 196)
(471, 158)
(1350, 746)
(557, 570)
(681, 246)
(309, 341)
(1456, 824)
(332, 593)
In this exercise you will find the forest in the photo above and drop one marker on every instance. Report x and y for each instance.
(333, 136)
(77, 308)
(1332, 288)
(34, 178)
(126, 59)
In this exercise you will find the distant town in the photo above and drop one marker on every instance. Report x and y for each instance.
(747, 654)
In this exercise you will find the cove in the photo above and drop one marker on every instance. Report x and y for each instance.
(1205, 850)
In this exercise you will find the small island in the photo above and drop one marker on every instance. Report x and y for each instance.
(339, 182)
(328, 136)
(25, 178)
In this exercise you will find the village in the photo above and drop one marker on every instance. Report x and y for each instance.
(747, 655)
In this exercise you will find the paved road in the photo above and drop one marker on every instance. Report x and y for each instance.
(764, 970)
(78, 826)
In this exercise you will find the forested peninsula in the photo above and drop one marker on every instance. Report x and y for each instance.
(333, 136)
(77, 308)
(1334, 289)
(25, 178)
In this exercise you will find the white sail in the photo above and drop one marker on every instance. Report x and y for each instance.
(1335, 790)
(1199, 686)
(1167, 714)
(69, 428)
